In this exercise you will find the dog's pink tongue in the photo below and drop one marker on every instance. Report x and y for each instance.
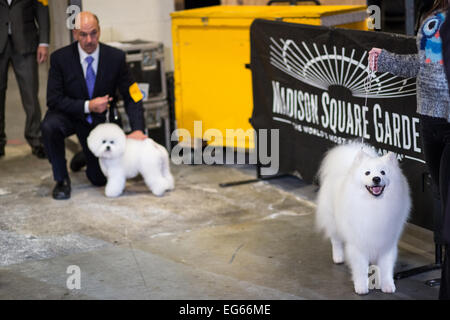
(376, 190)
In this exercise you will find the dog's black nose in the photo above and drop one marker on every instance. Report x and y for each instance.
(108, 148)
(376, 180)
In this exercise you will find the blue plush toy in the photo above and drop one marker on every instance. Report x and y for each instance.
(431, 40)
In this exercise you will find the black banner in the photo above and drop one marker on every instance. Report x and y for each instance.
(312, 83)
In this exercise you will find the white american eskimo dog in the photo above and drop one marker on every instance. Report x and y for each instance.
(363, 204)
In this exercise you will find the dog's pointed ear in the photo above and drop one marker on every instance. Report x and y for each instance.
(390, 157)
(361, 155)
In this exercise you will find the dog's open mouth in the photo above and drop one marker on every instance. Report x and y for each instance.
(375, 190)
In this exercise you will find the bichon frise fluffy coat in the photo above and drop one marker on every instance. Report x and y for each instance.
(121, 158)
(362, 206)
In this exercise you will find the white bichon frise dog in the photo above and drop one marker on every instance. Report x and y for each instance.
(362, 207)
(121, 158)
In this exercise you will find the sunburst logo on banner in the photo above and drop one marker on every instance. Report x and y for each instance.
(322, 69)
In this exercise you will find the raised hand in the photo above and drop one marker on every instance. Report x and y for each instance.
(99, 104)
(373, 58)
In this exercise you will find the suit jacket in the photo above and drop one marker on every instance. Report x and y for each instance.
(23, 15)
(67, 90)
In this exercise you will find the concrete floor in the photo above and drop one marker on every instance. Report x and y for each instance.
(200, 241)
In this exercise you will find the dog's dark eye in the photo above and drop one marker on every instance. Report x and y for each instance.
(367, 173)
(112, 142)
(382, 172)
(104, 141)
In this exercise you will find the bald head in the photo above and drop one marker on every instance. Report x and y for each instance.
(87, 18)
(87, 32)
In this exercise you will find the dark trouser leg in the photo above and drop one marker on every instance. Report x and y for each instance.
(26, 70)
(444, 290)
(446, 227)
(56, 126)
(4, 63)
(436, 138)
(444, 185)
(93, 170)
(433, 146)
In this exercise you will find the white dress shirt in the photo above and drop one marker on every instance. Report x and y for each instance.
(9, 25)
(84, 65)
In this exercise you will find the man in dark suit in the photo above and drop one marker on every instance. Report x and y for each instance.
(82, 82)
(24, 45)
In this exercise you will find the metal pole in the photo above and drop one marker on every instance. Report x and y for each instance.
(409, 17)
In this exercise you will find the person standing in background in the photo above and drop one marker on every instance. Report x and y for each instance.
(24, 41)
(433, 107)
(444, 292)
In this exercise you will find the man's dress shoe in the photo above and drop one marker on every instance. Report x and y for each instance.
(62, 189)
(39, 152)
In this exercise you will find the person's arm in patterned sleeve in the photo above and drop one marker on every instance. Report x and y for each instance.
(402, 65)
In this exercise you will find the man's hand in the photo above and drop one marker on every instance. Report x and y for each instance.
(99, 104)
(42, 54)
(138, 135)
